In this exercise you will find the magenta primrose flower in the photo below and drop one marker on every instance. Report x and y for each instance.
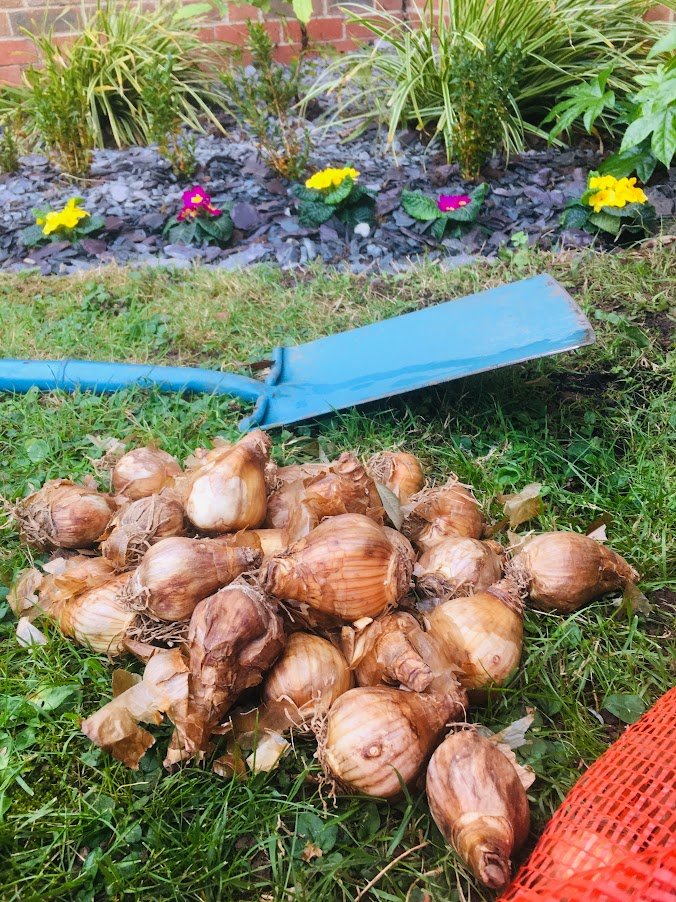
(449, 202)
(196, 202)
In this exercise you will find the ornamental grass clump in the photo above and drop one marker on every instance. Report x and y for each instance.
(518, 56)
(616, 206)
(334, 192)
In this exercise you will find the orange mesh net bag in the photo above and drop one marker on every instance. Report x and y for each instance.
(614, 837)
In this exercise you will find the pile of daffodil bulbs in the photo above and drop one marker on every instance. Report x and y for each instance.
(367, 608)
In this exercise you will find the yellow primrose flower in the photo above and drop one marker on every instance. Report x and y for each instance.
(67, 218)
(331, 178)
(601, 182)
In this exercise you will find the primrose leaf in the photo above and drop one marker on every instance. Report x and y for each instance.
(419, 206)
(340, 193)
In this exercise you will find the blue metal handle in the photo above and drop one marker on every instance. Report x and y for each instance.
(101, 377)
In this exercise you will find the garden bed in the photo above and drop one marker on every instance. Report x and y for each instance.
(136, 192)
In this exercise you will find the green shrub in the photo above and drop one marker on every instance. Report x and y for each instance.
(263, 100)
(406, 78)
(164, 121)
(9, 149)
(109, 65)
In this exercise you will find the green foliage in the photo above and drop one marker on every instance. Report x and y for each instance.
(200, 230)
(444, 224)
(59, 110)
(263, 101)
(348, 202)
(625, 162)
(107, 68)
(9, 148)
(654, 120)
(406, 77)
(586, 101)
(158, 97)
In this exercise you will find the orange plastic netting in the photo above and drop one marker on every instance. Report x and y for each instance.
(614, 837)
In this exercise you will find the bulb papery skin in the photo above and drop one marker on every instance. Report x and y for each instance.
(564, 570)
(288, 491)
(478, 803)
(228, 491)
(384, 653)
(343, 487)
(398, 471)
(482, 635)
(457, 567)
(63, 515)
(307, 678)
(144, 471)
(377, 735)
(138, 525)
(99, 618)
(435, 514)
(234, 638)
(346, 567)
(177, 573)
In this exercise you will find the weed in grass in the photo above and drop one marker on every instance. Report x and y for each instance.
(596, 427)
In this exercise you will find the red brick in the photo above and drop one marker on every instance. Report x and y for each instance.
(236, 34)
(659, 14)
(325, 30)
(18, 51)
(5, 27)
(10, 75)
(285, 53)
(344, 45)
(206, 34)
(243, 12)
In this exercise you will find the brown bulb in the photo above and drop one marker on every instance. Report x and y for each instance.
(399, 471)
(435, 514)
(63, 515)
(143, 472)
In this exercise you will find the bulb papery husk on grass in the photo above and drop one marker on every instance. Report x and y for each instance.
(562, 571)
(228, 491)
(343, 487)
(163, 690)
(399, 471)
(98, 618)
(138, 525)
(306, 679)
(478, 803)
(457, 567)
(177, 573)
(143, 472)
(63, 514)
(235, 636)
(435, 514)
(23, 597)
(383, 653)
(376, 738)
(346, 567)
(481, 635)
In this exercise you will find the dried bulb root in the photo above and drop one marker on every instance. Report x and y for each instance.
(176, 573)
(345, 567)
(143, 472)
(478, 803)
(140, 524)
(457, 567)
(562, 571)
(435, 514)
(376, 736)
(399, 471)
(234, 638)
(63, 514)
(228, 490)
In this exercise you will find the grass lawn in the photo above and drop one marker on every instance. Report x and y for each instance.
(597, 427)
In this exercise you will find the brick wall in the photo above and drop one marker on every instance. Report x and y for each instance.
(326, 27)
(16, 51)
